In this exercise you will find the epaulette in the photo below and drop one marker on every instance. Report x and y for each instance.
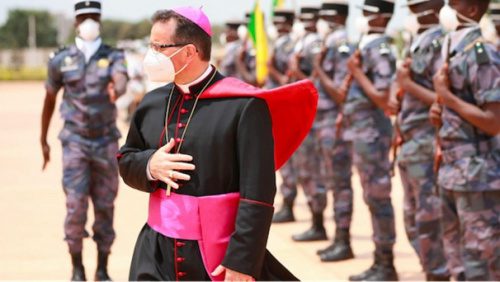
(384, 49)
(436, 44)
(59, 50)
(481, 54)
(344, 48)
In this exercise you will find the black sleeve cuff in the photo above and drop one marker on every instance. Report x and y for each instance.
(247, 247)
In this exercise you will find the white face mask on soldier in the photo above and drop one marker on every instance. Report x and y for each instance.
(159, 67)
(89, 30)
(449, 19)
(411, 22)
(363, 23)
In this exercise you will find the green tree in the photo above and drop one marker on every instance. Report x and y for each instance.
(15, 32)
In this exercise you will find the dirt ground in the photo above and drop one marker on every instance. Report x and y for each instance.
(32, 210)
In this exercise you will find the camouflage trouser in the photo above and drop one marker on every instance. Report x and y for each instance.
(422, 215)
(372, 162)
(471, 225)
(304, 168)
(90, 169)
(336, 167)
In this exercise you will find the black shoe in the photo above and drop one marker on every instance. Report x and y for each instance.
(341, 235)
(377, 272)
(433, 277)
(327, 249)
(341, 251)
(101, 273)
(78, 269)
(461, 277)
(78, 274)
(285, 214)
(312, 234)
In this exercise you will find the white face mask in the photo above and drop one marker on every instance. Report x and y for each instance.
(323, 28)
(411, 22)
(159, 67)
(272, 32)
(88, 30)
(222, 39)
(363, 24)
(242, 32)
(298, 30)
(449, 19)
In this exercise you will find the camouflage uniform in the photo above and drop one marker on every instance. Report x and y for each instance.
(89, 140)
(306, 160)
(470, 172)
(422, 206)
(336, 153)
(282, 51)
(369, 130)
(227, 65)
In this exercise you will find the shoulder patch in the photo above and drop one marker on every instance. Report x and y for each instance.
(384, 49)
(344, 48)
(436, 44)
(481, 54)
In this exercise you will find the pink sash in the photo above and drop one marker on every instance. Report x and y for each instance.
(210, 220)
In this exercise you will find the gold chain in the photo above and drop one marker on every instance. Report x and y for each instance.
(169, 188)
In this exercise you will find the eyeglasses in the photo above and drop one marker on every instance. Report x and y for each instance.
(162, 47)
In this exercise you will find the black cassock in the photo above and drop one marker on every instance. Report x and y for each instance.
(231, 142)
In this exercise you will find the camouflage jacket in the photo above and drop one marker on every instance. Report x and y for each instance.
(471, 157)
(86, 107)
(362, 118)
(416, 129)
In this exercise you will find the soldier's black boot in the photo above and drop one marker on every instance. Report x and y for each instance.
(78, 269)
(340, 249)
(317, 231)
(285, 214)
(381, 270)
(101, 273)
(434, 277)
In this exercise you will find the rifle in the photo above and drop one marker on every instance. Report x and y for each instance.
(344, 91)
(438, 154)
(397, 139)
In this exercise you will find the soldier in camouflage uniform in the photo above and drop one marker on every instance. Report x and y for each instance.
(336, 163)
(468, 89)
(278, 68)
(369, 130)
(93, 75)
(306, 161)
(246, 62)
(422, 205)
(227, 65)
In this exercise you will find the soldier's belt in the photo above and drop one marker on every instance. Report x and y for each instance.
(89, 132)
(469, 150)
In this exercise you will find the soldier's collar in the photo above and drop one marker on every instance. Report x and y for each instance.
(462, 38)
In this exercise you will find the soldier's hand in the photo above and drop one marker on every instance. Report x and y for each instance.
(354, 62)
(231, 275)
(393, 105)
(403, 74)
(442, 85)
(112, 92)
(46, 154)
(165, 165)
(435, 115)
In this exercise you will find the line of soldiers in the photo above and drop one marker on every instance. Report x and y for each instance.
(445, 95)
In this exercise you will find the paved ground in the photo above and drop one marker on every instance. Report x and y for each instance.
(32, 210)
